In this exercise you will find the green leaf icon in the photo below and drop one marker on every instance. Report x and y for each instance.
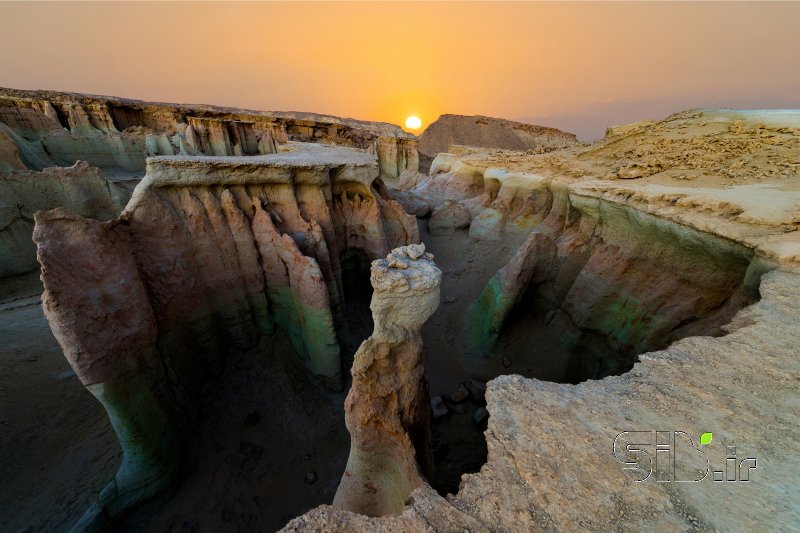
(705, 438)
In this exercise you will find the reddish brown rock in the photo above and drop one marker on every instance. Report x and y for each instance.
(80, 188)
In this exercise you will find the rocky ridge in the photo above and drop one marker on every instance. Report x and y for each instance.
(57, 128)
(42, 130)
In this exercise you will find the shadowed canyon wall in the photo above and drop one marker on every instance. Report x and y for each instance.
(595, 271)
(589, 266)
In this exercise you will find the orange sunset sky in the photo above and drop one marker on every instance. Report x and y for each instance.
(576, 66)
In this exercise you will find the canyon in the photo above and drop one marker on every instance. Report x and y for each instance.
(112, 137)
(496, 323)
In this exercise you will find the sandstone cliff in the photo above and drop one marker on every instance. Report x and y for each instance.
(80, 188)
(209, 255)
(43, 129)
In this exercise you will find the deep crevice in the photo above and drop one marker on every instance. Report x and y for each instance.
(358, 325)
(124, 116)
(628, 309)
(62, 116)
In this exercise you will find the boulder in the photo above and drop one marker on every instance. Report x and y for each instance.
(460, 394)
(481, 416)
(449, 217)
(438, 407)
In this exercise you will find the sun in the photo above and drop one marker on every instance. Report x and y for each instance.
(413, 123)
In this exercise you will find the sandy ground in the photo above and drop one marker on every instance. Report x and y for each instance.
(57, 448)
(271, 445)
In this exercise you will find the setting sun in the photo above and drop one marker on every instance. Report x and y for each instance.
(413, 123)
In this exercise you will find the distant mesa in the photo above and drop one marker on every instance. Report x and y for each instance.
(488, 132)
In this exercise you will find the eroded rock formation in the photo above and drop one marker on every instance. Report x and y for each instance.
(646, 264)
(639, 264)
(388, 409)
(80, 188)
(551, 465)
(54, 128)
(43, 129)
(596, 270)
(209, 254)
(9, 152)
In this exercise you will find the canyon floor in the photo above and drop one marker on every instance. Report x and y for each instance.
(57, 444)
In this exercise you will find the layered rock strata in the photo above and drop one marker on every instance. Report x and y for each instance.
(80, 188)
(43, 129)
(54, 128)
(590, 246)
(209, 254)
(388, 408)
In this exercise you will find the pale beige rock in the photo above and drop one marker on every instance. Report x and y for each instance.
(551, 445)
(490, 132)
(751, 199)
(550, 462)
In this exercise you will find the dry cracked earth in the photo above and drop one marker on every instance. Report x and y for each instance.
(227, 320)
